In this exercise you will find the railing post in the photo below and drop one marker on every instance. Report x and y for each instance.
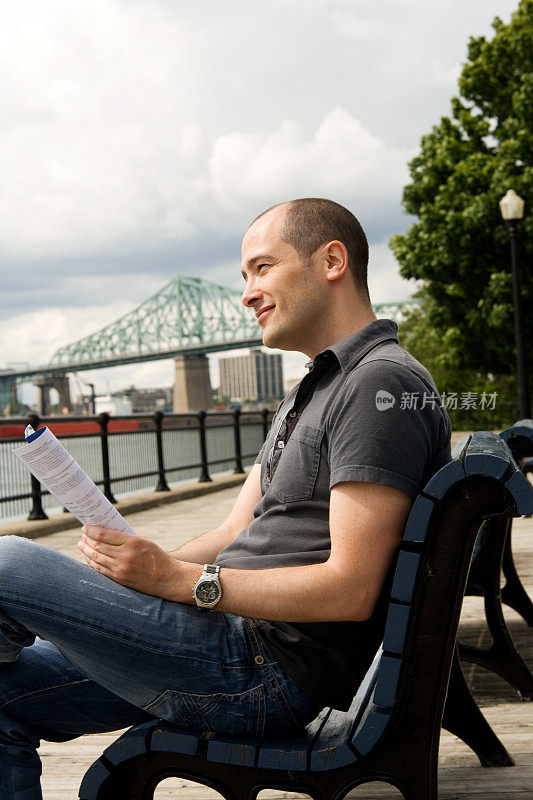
(162, 485)
(238, 450)
(37, 511)
(265, 423)
(103, 420)
(204, 476)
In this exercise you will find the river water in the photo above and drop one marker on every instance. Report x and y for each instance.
(130, 454)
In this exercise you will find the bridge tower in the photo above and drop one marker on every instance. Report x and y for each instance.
(8, 384)
(46, 382)
(192, 385)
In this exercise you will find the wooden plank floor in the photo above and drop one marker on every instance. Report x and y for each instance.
(460, 775)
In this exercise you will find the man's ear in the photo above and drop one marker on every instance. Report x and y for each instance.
(336, 260)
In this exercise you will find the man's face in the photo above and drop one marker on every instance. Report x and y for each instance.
(286, 294)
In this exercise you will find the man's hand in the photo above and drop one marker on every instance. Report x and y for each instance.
(132, 561)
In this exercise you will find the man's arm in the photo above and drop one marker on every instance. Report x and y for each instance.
(205, 548)
(366, 525)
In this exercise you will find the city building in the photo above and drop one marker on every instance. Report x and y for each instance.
(146, 401)
(256, 377)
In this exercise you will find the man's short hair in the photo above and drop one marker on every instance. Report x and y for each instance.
(313, 221)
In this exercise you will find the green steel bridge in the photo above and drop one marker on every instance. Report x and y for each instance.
(188, 316)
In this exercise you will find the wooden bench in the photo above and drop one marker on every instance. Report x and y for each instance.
(391, 731)
(492, 556)
(526, 465)
(519, 439)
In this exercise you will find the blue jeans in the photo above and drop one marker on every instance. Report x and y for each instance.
(107, 657)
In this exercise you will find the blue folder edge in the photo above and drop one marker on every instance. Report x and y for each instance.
(35, 435)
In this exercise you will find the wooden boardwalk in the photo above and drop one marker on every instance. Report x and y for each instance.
(460, 775)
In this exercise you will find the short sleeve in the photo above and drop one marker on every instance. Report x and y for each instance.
(378, 432)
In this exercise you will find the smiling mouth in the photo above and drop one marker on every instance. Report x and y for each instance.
(261, 313)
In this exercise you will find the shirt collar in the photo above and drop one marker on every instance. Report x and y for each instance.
(352, 349)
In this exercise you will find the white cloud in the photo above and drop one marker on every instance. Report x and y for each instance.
(130, 124)
(34, 336)
(139, 192)
(99, 146)
(357, 28)
(446, 75)
(384, 280)
(340, 157)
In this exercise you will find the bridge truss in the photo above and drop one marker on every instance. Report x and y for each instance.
(185, 313)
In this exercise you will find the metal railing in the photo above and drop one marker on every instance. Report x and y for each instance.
(129, 454)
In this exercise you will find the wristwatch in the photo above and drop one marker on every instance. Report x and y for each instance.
(207, 590)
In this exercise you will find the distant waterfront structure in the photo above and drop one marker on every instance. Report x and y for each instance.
(257, 377)
(145, 401)
(128, 401)
(112, 404)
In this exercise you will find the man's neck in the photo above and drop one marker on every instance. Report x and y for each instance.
(338, 330)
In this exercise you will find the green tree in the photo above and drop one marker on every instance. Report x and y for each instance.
(459, 245)
(494, 397)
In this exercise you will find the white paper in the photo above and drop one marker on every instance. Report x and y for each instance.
(55, 468)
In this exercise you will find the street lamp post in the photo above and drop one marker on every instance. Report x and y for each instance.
(512, 209)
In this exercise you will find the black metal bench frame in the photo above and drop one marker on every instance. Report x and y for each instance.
(391, 733)
(519, 439)
(493, 555)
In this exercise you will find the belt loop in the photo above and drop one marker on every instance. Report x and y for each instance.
(254, 644)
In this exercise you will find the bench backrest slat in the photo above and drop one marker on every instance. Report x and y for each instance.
(487, 454)
(444, 479)
(417, 523)
(519, 439)
(521, 489)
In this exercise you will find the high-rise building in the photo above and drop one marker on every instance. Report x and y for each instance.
(257, 376)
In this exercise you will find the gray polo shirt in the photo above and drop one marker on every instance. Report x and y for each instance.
(367, 411)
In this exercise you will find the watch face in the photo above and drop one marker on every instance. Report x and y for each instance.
(208, 591)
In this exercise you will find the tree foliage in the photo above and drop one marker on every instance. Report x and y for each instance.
(474, 399)
(459, 245)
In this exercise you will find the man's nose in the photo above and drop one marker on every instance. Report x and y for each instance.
(251, 294)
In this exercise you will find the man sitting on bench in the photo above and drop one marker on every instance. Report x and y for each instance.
(297, 576)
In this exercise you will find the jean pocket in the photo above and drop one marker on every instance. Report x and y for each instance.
(242, 713)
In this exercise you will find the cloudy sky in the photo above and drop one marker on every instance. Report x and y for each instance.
(140, 137)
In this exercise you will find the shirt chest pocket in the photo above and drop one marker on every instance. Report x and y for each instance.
(297, 469)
